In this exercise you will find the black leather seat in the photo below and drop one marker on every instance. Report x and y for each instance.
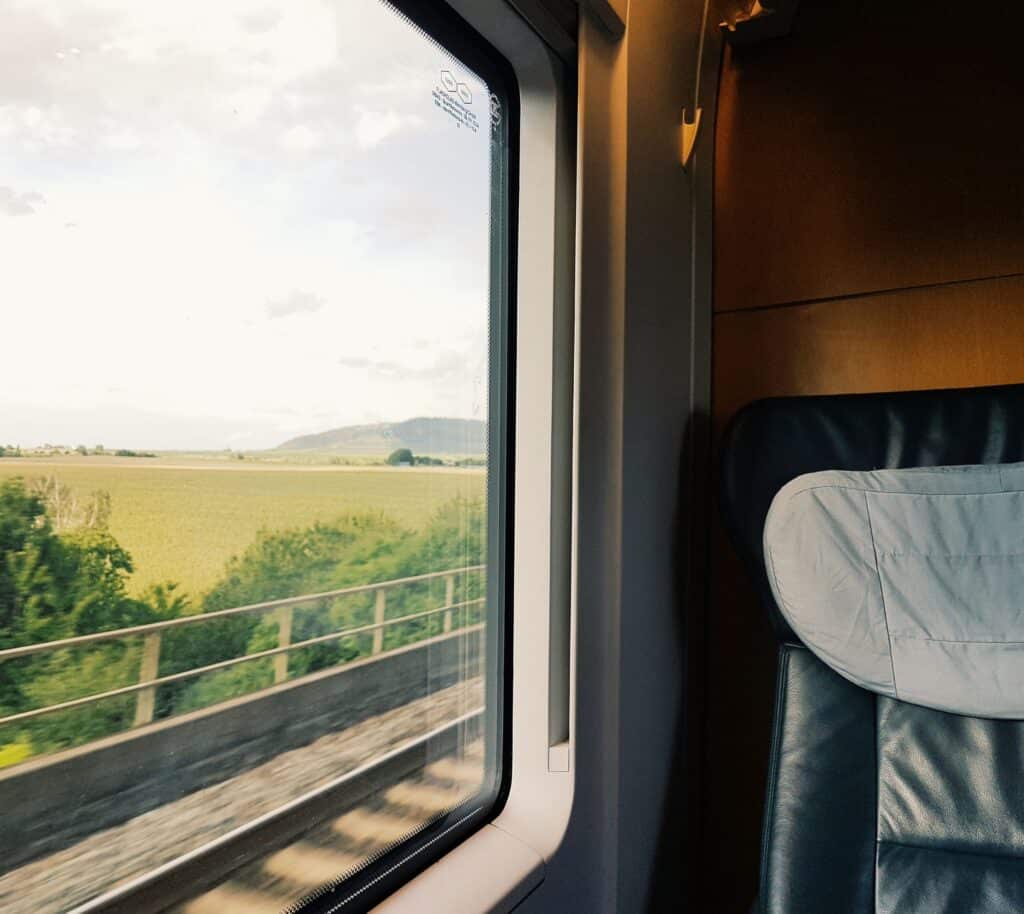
(874, 805)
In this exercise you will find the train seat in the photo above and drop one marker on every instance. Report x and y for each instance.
(896, 774)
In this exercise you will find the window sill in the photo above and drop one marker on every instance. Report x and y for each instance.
(491, 871)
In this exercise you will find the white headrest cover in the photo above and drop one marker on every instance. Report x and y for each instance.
(908, 582)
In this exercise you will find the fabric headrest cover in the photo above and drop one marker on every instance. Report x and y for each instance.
(908, 582)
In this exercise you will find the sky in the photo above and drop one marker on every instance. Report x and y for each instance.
(223, 224)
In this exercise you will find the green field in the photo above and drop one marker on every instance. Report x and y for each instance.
(181, 520)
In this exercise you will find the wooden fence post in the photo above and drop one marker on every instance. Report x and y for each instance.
(449, 599)
(378, 620)
(149, 669)
(284, 638)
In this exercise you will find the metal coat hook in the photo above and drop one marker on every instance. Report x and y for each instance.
(690, 130)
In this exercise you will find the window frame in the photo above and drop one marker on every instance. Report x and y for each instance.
(380, 878)
(496, 868)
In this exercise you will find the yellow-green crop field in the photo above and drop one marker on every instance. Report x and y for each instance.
(182, 520)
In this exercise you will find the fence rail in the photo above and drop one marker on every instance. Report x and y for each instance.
(283, 610)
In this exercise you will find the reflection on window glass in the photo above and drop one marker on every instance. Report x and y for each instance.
(247, 445)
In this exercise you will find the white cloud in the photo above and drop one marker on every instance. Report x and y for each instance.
(373, 127)
(295, 302)
(250, 104)
(15, 204)
(300, 138)
(37, 128)
(123, 141)
(261, 20)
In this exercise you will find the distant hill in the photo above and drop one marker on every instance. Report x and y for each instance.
(426, 437)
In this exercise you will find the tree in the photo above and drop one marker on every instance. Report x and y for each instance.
(400, 457)
(57, 585)
(29, 598)
(66, 511)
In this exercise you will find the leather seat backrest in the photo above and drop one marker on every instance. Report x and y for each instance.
(771, 442)
(877, 805)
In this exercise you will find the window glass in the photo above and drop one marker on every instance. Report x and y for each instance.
(252, 447)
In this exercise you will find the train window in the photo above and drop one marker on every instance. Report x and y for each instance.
(254, 467)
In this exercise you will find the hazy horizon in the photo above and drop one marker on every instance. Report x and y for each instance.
(109, 447)
(225, 225)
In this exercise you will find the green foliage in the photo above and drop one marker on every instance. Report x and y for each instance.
(57, 585)
(58, 582)
(455, 537)
(226, 684)
(403, 456)
(316, 558)
(354, 550)
(71, 674)
(27, 545)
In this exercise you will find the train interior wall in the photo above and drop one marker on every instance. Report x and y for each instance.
(869, 236)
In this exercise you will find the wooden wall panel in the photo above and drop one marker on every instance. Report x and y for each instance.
(877, 147)
(949, 336)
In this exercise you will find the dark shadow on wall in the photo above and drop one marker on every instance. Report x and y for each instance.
(676, 870)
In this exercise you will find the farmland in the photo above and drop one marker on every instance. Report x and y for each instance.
(182, 518)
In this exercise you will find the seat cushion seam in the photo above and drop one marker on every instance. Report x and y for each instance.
(881, 593)
(946, 850)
